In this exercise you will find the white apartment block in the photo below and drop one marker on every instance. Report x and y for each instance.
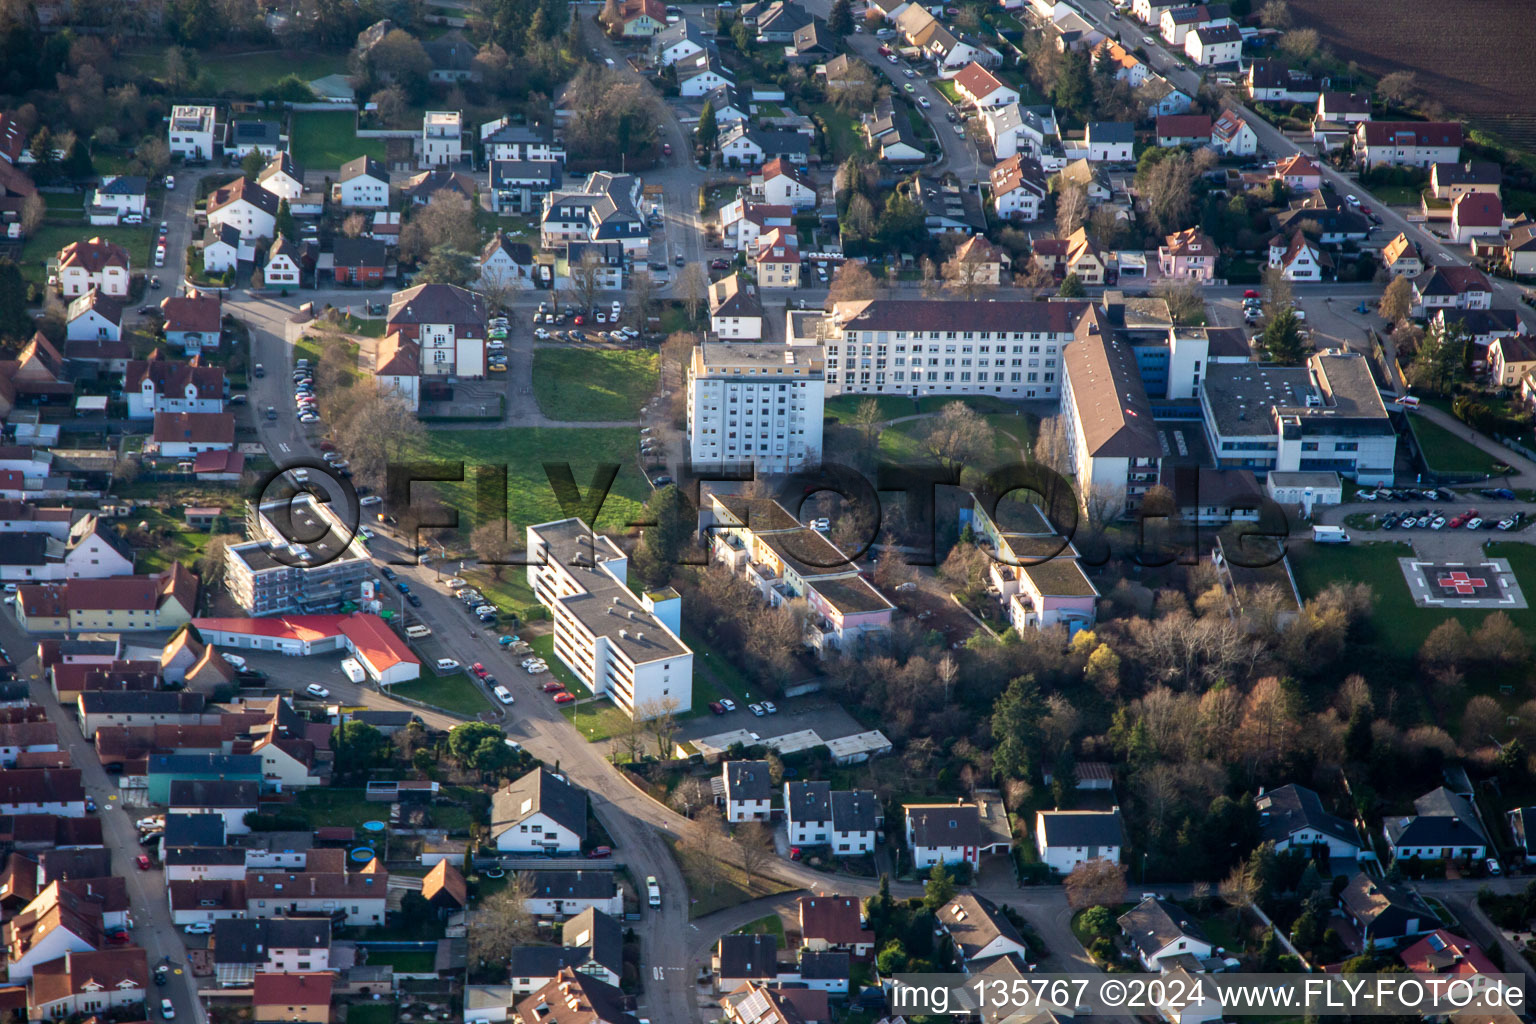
(944, 347)
(756, 403)
(442, 138)
(620, 646)
(192, 132)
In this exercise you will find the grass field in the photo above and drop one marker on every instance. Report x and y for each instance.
(309, 347)
(370, 1013)
(50, 238)
(843, 133)
(323, 140)
(772, 924)
(184, 545)
(1401, 625)
(247, 74)
(1447, 453)
(524, 450)
(900, 443)
(347, 807)
(404, 961)
(453, 693)
(842, 407)
(593, 384)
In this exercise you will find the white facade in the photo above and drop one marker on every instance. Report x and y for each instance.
(363, 192)
(785, 190)
(90, 325)
(756, 403)
(1064, 857)
(442, 138)
(281, 270)
(219, 256)
(1207, 47)
(247, 218)
(538, 834)
(191, 132)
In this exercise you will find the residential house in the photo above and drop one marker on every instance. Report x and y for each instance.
(777, 260)
(119, 196)
(1184, 130)
(782, 184)
(1093, 180)
(1343, 107)
(245, 206)
(1476, 215)
(93, 264)
(1441, 952)
(1150, 12)
(420, 189)
(42, 791)
(742, 222)
(243, 947)
(505, 264)
(94, 317)
(1293, 818)
(1299, 259)
(453, 58)
(442, 138)
(100, 708)
(362, 185)
(121, 604)
(226, 785)
(576, 998)
(1189, 254)
(539, 813)
(88, 982)
(1449, 181)
(1067, 839)
(158, 384)
(193, 322)
(1111, 142)
(1269, 79)
(1453, 287)
(1159, 930)
(639, 19)
(1444, 826)
(812, 44)
(735, 313)
(606, 208)
(779, 20)
(730, 106)
(350, 898)
(739, 959)
(979, 930)
(444, 886)
(1299, 174)
(891, 132)
(221, 248)
(504, 139)
(748, 791)
(981, 89)
(1510, 359)
(447, 322)
(1232, 136)
(835, 924)
(1213, 45)
(285, 264)
(982, 262)
(1407, 143)
(519, 186)
(295, 997)
(1127, 67)
(679, 41)
(1400, 257)
(181, 434)
(1018, 188)
(567, 893)
(1482, 326)
(944, 833)
(1385, 914)
(282, 178)
(1085, 259)
(360, 261)
(1016, 128)
(591, 944)
(192, 131)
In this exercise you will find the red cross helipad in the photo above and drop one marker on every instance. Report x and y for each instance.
(1463, 584)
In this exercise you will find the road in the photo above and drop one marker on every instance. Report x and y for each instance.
(151, 911)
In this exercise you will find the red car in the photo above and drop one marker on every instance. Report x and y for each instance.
(118, 938)
(599, 852)
(563, 698)
(1251, 294)
(719, 264)
(326, 446)
(716, 707)
(143, 862)
(579, 320)
(479, 670)
(553, 687)
(666, 149)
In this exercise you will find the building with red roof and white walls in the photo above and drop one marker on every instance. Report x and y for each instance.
(363, 635)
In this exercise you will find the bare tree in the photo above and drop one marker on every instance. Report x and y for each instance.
(692, 288)
(1053, 445)
(446, 221)
(1239, 889)
(1275, 14)
(704, 849)
(642, 292)
(691, 793)
(34, 210)
(587, 278)
(1300, 44)
(502, 922)
(754, 849)
(1071, 206)
(931, 283)
(852, 282)
(1186, 303)
(493, 544)
(660, 717)
(1399, 87)
(210, 567)
(948, 670)
(354, 225)
(1102, 505)
(1096, 883)
(957, 436)
(631, 739)
(1279, 291)
(866, 420)
(375, 427)
(967, 273)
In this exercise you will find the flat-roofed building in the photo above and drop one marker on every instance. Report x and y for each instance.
(751, 404)
(619, 645)
(273, 573)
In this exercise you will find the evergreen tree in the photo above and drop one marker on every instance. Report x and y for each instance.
(253, 163)
(666, 539)
(840, 18)
(285, 224)
(1074, 86)
(1072, 287)
(77, 162)
(708, 130)
(1281, 342)
(939, 889)
(15, 322)
(1015, 724)
(42, 145)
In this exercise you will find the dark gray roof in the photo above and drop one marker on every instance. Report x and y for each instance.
(124, 185)
(827, 966)
(570, 885)
(939, 825)
(437, 304)
(540, 172)
(1083, 828)
(748, 780)
(542, 961)
(252, 133)
(540, 791)
(385, 719)
(204, 856)
(143, 702)
(855, 810)
(214, 793)
(358, 166)
(194, 830)
(809, 801)
(220, 764)
(250, 940)
(974, 923)
(1289, 809)
(1111, 131)
(600, 935)
(281, 164)
(1154, 923)
(1441, 819)
(360, 252)
(749, 956)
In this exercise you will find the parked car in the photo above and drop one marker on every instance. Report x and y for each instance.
(166, 1009)
(716, 707)
(728, 704)
(770, 707)
(142, 860)
(564, 697)
(756, 709)
(316, 690)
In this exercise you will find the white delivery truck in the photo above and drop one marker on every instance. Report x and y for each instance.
(418, 632)
(354, 669)
(1329, 535)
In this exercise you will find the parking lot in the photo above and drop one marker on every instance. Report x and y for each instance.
(815, 711)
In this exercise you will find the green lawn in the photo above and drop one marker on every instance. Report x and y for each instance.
(510, 593)
(247, 74)
(309, 347)
(1444, 452)
(843, 134)
(324, 140)
(1400, 625)
(842, 407)
(900, 443)
(46, 242)
(370, 1013)
(524, 450)
(772, 924)
(454, 693)
(946, 88)
(346, 807)
(593, 384)
(1398, 195)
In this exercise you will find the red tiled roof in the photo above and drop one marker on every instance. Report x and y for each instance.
(219, 462)
(195, 312)
(93, 255)
(976, 81)
(197, 427)
(834, 919)
(1410, 133)
(1478, 210)
(1184, 126)
(292, 988)
(376, 642)
(111, 971)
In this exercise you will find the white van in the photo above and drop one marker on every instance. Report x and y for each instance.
(418, 632)
(502, 694)
(652, 891)
(1329, 535)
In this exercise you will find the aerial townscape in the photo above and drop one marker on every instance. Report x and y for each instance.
(628, 512)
